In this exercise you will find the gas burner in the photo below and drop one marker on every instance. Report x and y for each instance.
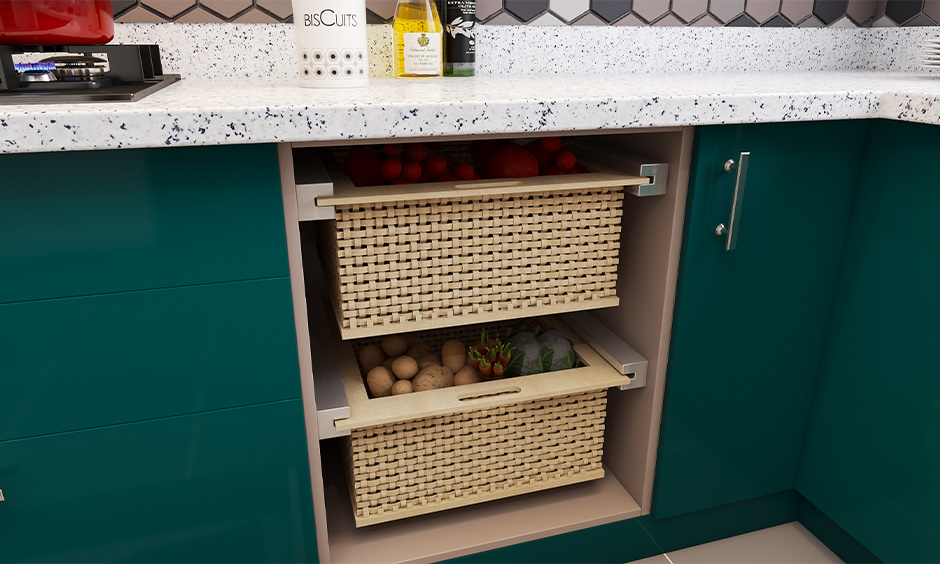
(74, 73)
(77, 67)
(37, 76)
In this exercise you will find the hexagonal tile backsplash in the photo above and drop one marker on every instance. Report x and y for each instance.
(765, 13)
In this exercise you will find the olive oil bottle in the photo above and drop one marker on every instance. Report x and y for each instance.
(419, 48)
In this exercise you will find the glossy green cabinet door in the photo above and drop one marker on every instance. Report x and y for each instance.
(78, 363)
(871, 460)
(224, 486)
(92, 222)
(749, 323)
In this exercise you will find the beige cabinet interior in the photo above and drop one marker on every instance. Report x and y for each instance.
(649, 257)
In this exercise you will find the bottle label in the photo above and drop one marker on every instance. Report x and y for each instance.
(460, 30)
(422, 53)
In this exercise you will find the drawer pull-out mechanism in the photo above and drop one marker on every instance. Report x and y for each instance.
(612, 348)
(330, 394)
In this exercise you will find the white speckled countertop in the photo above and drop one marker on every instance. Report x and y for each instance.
(253, 110)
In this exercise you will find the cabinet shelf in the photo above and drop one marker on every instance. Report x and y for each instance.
(641, 315)
(467, 530)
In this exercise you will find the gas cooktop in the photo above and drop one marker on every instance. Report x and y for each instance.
(80, 73)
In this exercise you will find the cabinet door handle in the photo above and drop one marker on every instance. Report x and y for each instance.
(740, 168)
(1, 495)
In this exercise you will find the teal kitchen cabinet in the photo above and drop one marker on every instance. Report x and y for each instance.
(82, 223)
(872, 452)
(149, 371)
(224, 486)
(78, 363)
(749, 323)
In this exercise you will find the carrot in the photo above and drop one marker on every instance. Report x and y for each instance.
(492, 352)
(498, 370)
(484, 342)
(474, 356)
(505, 354)
(485, 368)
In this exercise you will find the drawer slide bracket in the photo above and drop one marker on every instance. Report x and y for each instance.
(612, 348)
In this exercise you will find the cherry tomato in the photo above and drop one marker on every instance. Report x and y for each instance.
(391, 168)
(392, 149)
(551, 170)
(578, 169)
(551, 144)
(436, 165)
(417, 151)
(463, 171)
(543, 156)
(411, 171)
(565, 161)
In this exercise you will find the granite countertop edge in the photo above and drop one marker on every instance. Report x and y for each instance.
(215, 112)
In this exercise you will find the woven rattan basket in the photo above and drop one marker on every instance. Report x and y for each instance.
(430, 451)
(407, 258)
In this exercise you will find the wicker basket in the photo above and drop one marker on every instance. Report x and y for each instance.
(407, 258)
(430, 451)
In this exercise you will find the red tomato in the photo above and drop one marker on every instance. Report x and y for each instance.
(391, 168)
(541, 155)
(392, 149)
(578, 168)
(417, 151)
(565, 161)
(436, 165)
(551, 144)
(512, 161)
(411, 171)
(363, 166)
(463, 171)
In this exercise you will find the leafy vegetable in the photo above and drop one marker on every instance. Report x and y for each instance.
(571, 360)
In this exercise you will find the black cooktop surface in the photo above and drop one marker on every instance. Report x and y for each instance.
(80, 73)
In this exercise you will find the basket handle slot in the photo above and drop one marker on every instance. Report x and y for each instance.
(504, 184)
(506, 392)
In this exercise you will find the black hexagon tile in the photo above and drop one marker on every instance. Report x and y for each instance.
(903, 10)
(526, 10)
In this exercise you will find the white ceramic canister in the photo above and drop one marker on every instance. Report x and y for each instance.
(331, 43)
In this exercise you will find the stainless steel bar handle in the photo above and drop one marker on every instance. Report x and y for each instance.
(1, 495)
(734, 220)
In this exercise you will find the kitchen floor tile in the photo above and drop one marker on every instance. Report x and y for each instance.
(785, 544)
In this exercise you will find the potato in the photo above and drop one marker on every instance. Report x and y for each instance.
(380, 381)
(418, 350)
(467, 375)
(394, 345)
(402, 387)
(453, 347)
(405, 367)
(388, 363)
(432, 378)
(429, 360)
(371, 356)
(454, 355)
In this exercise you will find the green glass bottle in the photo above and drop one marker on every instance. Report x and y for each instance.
(459, 37)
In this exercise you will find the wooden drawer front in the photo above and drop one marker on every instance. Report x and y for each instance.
(94, 222)
(77, 363)
(226, 486)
